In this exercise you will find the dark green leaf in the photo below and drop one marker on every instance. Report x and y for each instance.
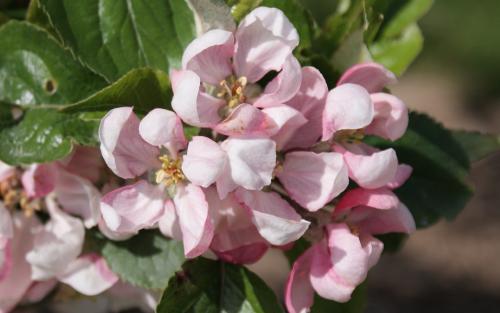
(213, 286)
(113, 37)
(147, 260)
(37, 16)
(35, 69)
(477, 145)
(144, 88)
(437, 187)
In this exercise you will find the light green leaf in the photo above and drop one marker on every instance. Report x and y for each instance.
(213, 286)
(398, 53)
(113, 37)
(240, 8)
(146, 260)
(437, 187)
(477, 145)
(407, 15)
(143, 88)
(35, 69)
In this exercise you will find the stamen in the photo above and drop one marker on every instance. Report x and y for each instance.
(233, 91)
(350, 136)
(170, 172)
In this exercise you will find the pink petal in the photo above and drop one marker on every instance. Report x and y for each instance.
(370, 169)
(402, 174)
(340, 265)
(38, 291)
(251, 161)
(162, 127)
(78, 196)
(310, 101)
(57, 243)
(275, 219)
(348, 106)
(209, 56)
(192, 105)
(373, 248)
(391, 117)
(6, 227)
(283, 87)
(85, 162)
(382, 199)
(6, 171)
(225, 183)
(313, 179)
(299, 294)
(194, 219)
(39, 180)
(395, 220)
(204, 161)
(169, 222)
(274, 20)
(373, 76)
(258, 51)
(17, 279)
(236, 238)
(89, 275)
(134, 207)
(246, 120)
(288, 120)
(123, 149)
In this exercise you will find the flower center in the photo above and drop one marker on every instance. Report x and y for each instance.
(232, 90)
(170, 172)
(350, 136)
(13, 197)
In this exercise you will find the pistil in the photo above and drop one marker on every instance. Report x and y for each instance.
(170, 172)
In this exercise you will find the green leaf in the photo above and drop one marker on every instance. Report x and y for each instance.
(240, 8)
(212, 286)
(144, 88)
(35, 69)
(406, 15)
(398, 53)
(42, 135)
(113, 37)
(437, 187)
(477, 145)
(146, 260)
(36, 15)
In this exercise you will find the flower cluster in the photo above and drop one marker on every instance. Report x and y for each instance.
(277, 157)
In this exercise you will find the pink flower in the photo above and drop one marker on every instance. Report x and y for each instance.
(217, 86)
(131, 147)
(335, 265)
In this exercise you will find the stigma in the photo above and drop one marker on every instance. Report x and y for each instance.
(232, 90)
(170, 172)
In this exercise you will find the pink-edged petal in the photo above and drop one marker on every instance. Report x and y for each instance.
(194, 219)
(39, 180)
(283, 87)
(274, 20)
(391, 117)
(192, 105)
(6, 226)
(395, 220)
(113, 235)
(123, 149)
(89, 275)
(169, 222)
(288, 120)
(17, 279)
(57, 243)
(310, 101)
(382, 199)
(313, 179)
(275, 219)
(6, 171)
(251, 161)
(85, 162)
(348, 106)
(258, 51)
(373, 76)
(204, 162)
(236, 239)
(209, 56)
(162, 127)
(339, 265)
(402, 174)
(78, 196)
(246, 120)
(132, 208)
(299, 294)
(371, 170)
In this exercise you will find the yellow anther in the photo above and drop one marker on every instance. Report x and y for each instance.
(233, 91)
(170, 172)
(350, 136)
